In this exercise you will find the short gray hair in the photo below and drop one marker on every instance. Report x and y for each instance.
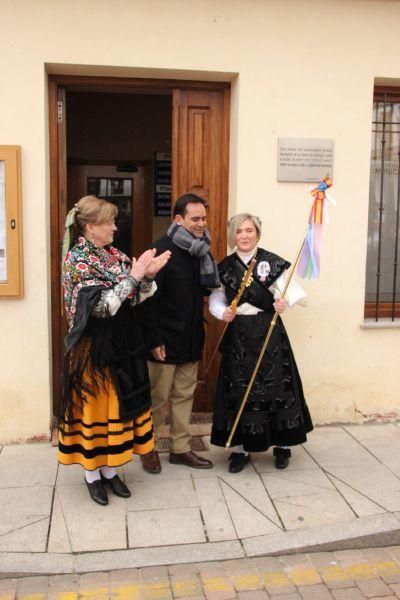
(235, 222)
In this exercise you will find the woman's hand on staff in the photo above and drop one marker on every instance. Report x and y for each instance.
(140, 265)
(157, 263)
(280, 305)
(228, 315)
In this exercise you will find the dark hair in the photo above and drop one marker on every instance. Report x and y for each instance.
(183, 201)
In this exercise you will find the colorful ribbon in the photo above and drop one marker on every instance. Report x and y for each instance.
(309, 263)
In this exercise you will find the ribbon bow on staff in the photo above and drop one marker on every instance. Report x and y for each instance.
(309, 265)
(308, 259)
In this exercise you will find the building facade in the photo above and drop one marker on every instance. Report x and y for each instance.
(303, 69)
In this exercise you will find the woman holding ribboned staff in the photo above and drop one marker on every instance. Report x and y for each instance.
(105, 414)
(276, 413)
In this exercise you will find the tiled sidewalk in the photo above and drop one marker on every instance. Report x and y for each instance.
(344, 575)
(341, 490)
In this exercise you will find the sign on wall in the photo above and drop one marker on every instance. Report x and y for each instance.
(304, 159)
(162, 184)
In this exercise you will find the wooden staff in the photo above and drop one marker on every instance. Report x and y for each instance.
(233, 306)
(264, 347)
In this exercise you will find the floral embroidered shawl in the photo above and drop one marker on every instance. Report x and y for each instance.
(87, 265)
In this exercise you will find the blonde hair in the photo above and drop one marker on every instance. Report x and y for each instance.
(235, 222)
(93, 210)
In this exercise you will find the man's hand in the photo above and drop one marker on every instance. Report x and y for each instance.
(159, 353)
(280, 305)
(228, 315)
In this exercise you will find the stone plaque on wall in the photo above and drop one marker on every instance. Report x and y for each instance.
(304, 159)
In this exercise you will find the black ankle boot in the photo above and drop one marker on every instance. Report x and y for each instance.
(238, 461)
(97, 492)
(282, 456)
(117, 485)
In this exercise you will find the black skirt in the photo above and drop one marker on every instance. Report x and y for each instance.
(276, 413)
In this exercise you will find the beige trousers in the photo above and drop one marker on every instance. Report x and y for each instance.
(173, 384)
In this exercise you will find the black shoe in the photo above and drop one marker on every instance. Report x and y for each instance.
(117, 485)
(238, 461)
(282, 456)
(97, 492)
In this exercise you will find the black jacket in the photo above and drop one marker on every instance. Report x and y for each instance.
(174, 315)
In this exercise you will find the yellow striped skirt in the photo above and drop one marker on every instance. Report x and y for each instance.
(97, 437)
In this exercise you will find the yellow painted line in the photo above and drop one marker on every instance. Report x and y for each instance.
(186, 587)
(127, 592)
(276, 579)
(389, 567)
(93, 593)
(246, 582)
(39, 596)
(333, 573)
(217, 584)
(361, 571)
(154, 591)
(307, 576)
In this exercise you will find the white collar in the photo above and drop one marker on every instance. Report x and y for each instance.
(246, 257)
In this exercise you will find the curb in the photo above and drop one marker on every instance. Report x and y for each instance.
(377, 531)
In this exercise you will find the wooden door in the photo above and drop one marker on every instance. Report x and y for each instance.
(58, 210)
(200, 165)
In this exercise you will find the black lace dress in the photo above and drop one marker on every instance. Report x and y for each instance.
(276, 413)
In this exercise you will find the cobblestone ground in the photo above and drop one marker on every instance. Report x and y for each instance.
(344, 575)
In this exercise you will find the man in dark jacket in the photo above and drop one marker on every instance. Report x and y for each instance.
(175, 327)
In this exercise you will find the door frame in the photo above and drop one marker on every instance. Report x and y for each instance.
(56, 155)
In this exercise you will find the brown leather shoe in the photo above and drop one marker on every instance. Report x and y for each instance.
(151, 462)
(190, 459)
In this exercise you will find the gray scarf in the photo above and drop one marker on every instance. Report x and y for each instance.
(199, 247)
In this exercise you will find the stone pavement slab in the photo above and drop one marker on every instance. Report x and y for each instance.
(247, 519)
(28, 465)
(89, 525)
(24, 518)
(165, 527)
(382, 441)
(59, 540)
(341, 490)
(253, 490)
(156, 493)
(215, 512)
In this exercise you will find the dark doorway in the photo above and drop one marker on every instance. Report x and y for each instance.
(113, 141)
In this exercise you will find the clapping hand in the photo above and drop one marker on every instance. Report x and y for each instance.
(157, 263)
(148, 264)
(140, 265)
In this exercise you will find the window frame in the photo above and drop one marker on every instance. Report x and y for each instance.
(383, 309)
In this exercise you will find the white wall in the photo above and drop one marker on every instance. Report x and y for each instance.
(305, 68)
